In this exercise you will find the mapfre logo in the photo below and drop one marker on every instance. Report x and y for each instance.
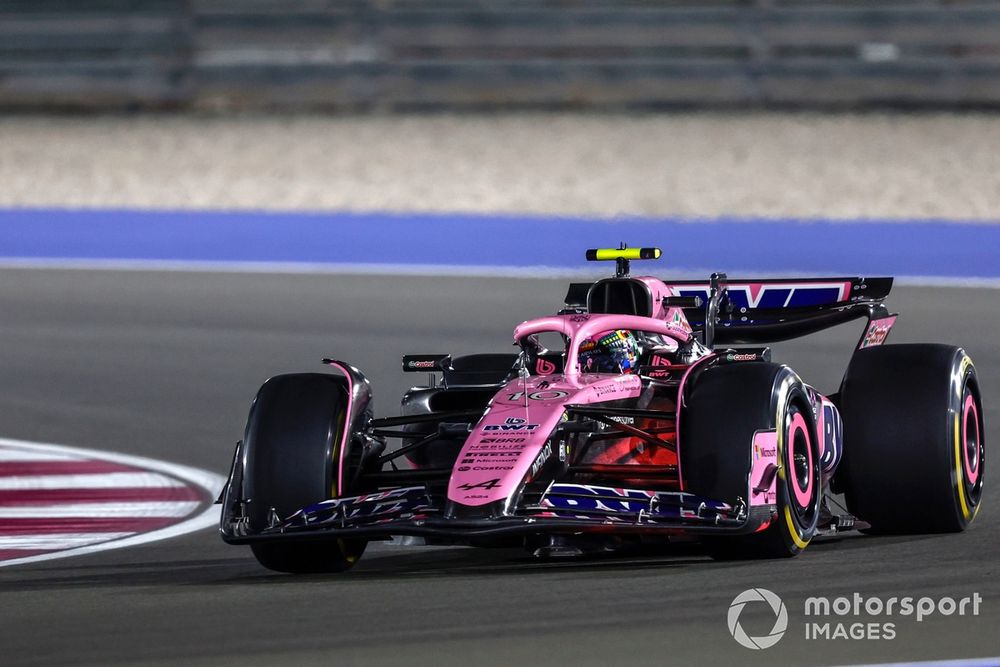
(777, 607)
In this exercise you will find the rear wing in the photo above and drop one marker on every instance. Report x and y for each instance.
(757, 311)
(790, 294)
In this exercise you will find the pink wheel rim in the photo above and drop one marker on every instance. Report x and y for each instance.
(971, 459)
(803, 496)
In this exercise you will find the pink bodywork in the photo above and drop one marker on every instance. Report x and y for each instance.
(513, 433)
(505, 445)
(580, 327)
(765, 456)
(342, 445)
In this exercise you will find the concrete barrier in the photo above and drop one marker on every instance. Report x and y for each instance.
(427, 54)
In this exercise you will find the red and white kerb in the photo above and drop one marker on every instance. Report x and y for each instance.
(58, 501)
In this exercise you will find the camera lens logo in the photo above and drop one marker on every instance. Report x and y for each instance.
(776, 606)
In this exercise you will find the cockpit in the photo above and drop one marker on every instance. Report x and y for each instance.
(600, 344)
(618, 325)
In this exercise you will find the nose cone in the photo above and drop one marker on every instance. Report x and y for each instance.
(499, 452)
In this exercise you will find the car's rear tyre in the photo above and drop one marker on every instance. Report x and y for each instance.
(914, 446)
(727, 406)
(295, 428)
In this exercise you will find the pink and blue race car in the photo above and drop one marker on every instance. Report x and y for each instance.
(643, 411)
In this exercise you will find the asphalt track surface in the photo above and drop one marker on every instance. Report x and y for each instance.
(165, 364)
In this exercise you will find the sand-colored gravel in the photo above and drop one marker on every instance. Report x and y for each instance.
(842, 166)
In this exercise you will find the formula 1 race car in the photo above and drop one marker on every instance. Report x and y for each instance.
(644, 410)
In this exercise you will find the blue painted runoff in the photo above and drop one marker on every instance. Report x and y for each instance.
(934, 248)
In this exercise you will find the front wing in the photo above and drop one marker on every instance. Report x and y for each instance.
(560, 509)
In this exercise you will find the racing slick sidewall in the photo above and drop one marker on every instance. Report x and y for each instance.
(914, 450)
(723, 408)
(799, 487)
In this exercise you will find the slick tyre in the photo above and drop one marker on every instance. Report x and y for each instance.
(309, 557)
(295, 427)
(799, 487)
(754, 397)
(914, 450)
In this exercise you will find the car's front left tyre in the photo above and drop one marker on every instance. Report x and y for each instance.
(309, 557)
(728, 405)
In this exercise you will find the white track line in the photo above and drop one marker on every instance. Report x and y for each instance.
(10, 455)
(465, 270)
(55, 541)
(209, 481)
(107, 510)
(89, 481)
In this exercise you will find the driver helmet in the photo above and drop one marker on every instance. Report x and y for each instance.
(613, 352)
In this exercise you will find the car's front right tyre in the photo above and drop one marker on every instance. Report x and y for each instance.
(293, 433)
